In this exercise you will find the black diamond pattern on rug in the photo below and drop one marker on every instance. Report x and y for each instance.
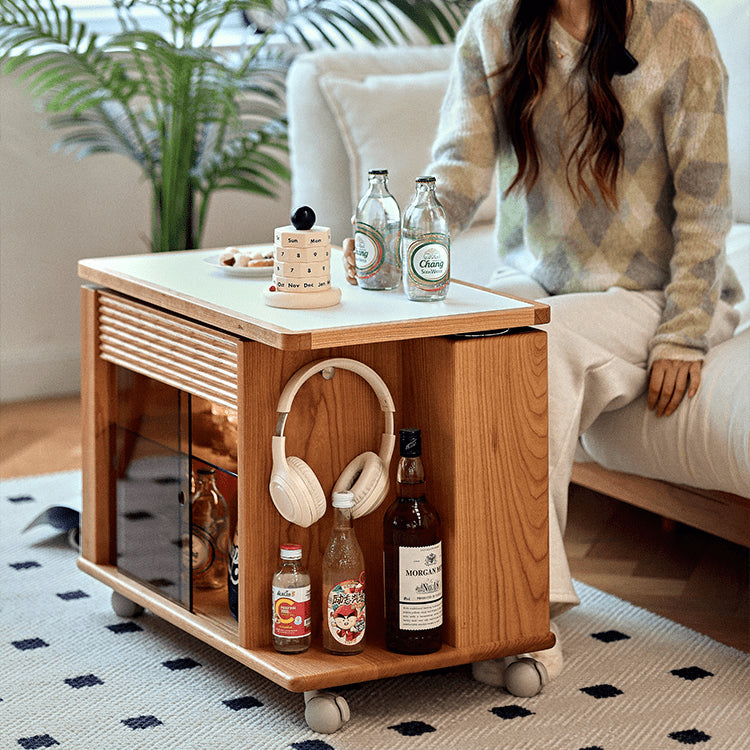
(68, 596)
(691, 673)
(29, 643)
(21, 499)
(610, 636)
(25, 565)
(593, 747)
(413, 728)
(37, 741)
(311, 745)
(141, 722)
(124, 627)
(86, 680)
(137, 515)
(689, 736)
(601, 691)
(246, 701)
(511, 712)
(183, 663)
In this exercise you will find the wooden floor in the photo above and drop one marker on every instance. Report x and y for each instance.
(690, 577)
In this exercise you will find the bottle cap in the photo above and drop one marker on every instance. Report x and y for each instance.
(291, 551)
(425, 178)
(206, 471)
(378, 171)
(410, 442)
(343, 499)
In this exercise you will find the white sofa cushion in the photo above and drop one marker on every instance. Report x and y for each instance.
(317, 155)
(730, 22)
(375, 113)
(354, 110)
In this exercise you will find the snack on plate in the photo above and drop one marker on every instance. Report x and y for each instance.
(247, 258)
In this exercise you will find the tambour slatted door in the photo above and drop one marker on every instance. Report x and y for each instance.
(172, 350)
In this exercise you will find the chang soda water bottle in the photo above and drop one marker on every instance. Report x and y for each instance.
(377, 253)
(425, 245)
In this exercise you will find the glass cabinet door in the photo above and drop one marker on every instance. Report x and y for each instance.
(163, 438)
(152, 474)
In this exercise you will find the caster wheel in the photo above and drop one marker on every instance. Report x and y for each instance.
(123, 607)
(525, 677)
(325, 713)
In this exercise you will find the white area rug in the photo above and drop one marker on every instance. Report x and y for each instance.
(76, 676)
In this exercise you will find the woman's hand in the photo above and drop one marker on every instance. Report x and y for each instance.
(349, 268)
(668, 382)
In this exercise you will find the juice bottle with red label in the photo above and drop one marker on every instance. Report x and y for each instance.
(290, 594)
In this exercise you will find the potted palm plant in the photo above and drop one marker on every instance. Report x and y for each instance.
(195, 117)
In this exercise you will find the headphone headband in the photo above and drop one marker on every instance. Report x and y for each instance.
(305, 373)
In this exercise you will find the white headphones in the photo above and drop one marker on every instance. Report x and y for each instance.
(295, 490)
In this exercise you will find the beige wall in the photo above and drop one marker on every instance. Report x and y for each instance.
(56, 209)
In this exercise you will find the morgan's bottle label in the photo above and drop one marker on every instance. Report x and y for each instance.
(291, 612)
(428, 259)
(420, 571)
(346, 616)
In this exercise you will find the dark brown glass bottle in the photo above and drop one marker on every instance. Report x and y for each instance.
(413, 559)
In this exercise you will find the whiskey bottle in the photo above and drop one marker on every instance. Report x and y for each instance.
(413, 558)
(344, 615)
(290, 593)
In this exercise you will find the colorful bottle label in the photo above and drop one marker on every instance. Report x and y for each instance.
(428, 259)
(369, 250)
(234, 566)
(346, 615)
(420, 579)
(291, 611)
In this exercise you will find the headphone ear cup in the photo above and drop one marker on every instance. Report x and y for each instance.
(367, 478)
(296, 493)
(310, 493)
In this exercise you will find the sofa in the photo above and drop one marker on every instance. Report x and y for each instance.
(357, 109)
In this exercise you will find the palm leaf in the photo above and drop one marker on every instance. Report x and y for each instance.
(194, 118)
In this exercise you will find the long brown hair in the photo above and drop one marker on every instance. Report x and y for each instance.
(524, 78)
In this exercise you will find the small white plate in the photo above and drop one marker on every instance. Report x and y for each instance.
(253, 272)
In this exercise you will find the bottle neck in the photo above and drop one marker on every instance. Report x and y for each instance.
(378, 184)
(342, 519)
(425, 193)
(410, 477)
(205, 482)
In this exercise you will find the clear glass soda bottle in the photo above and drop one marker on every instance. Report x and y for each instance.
(377, 230)
(290, 593)
(209, 531)
(412, 558)
(344, 614)
(425, 245)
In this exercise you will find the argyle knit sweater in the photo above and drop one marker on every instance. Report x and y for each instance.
(673, 211)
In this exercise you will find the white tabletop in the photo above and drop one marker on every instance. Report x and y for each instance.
(188, 275)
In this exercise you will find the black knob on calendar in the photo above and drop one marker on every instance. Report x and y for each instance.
(303, 218)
